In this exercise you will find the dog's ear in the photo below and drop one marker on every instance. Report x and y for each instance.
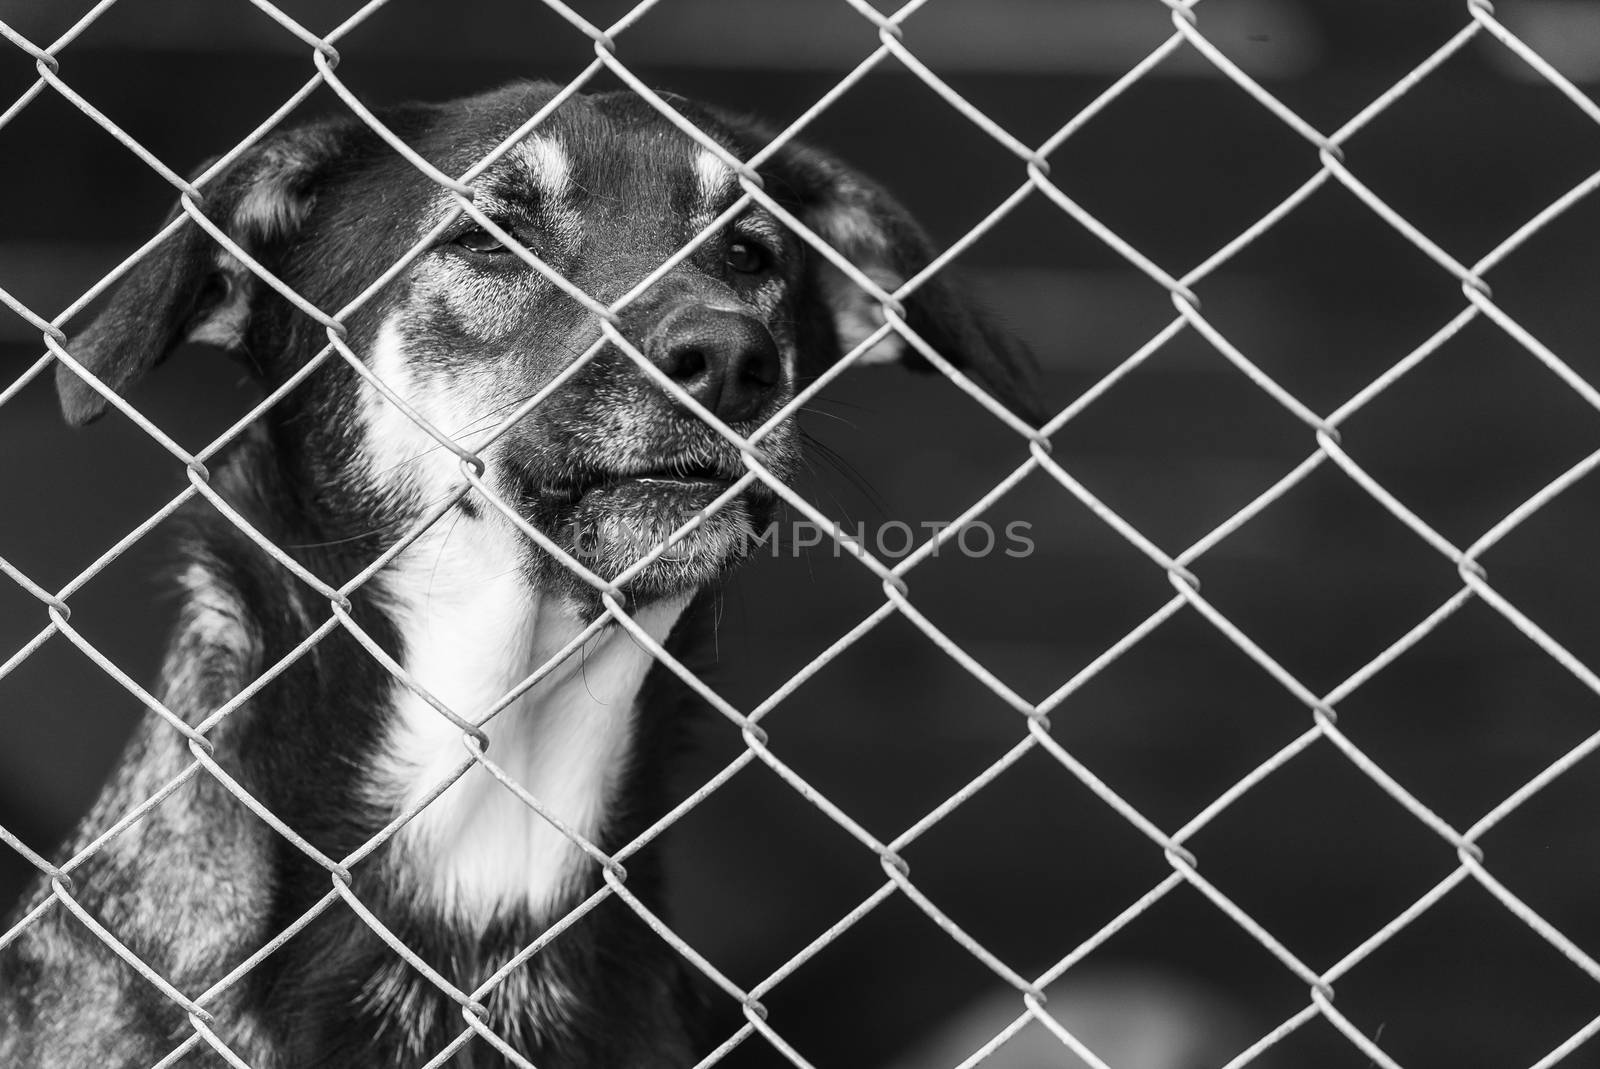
(875, 233)
(188, 287)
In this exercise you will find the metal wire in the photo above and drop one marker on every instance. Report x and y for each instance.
(1326, 157)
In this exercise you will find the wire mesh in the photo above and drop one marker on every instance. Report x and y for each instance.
(1327, 159)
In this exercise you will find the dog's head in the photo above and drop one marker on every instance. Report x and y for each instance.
(605, 191)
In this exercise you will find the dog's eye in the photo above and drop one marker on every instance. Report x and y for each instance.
(748, 258)
(481, 241)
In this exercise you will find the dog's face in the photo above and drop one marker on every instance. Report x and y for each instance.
(610, 464)
(604, 192)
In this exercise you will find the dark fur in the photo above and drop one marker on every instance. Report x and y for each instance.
(200, 883)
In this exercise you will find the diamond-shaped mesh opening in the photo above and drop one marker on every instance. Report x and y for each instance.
(490, 42)
(1330, 575)
(1523, 855)
(1498, 428)
(788, 900)
(822, 990)
(66, 721)
(1209, 441)
(1121, 1011)
(1315, 1043)
(81, 156)
(1130, 181)
(946, 453)
(848, 723)
(1440, 719)
(127, 487)
(1322, 878)
(92, 66)
(1486, 967)
(1138, 722)
(1478, 155)
(1024, 912)
(1354, 65)
(1037, 562)
(1292, 302)
(1538, 566)
(1183, 939)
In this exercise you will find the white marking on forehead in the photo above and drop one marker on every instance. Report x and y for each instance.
(548, 161)
(551, 169)
(712, 176)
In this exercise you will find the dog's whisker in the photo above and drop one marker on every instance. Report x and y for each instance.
(811, 411)
(851, 473)
(444, 543)
(387, 527)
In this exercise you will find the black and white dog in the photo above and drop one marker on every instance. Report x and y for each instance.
(605, 192)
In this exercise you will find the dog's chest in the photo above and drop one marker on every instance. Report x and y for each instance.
(472, 631)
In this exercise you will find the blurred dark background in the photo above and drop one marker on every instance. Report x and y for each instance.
(1324, 579)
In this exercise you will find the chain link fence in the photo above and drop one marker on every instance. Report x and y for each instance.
(1183, 567)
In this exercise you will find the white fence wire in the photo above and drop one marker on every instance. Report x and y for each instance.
(1328, 164)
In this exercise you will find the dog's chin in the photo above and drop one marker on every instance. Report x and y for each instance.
(610, 525)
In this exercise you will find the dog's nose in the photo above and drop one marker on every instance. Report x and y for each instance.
(726, 361)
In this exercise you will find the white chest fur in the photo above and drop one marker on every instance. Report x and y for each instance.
(471, 630)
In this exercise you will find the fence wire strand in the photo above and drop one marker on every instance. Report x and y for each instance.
(1326, 155)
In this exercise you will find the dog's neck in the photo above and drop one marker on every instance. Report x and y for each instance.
(471, 630)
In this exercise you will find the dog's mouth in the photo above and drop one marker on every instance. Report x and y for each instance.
(611, 518)
(673, 509)
(683, 479)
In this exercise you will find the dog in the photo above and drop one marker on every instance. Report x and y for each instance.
(336, 746)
